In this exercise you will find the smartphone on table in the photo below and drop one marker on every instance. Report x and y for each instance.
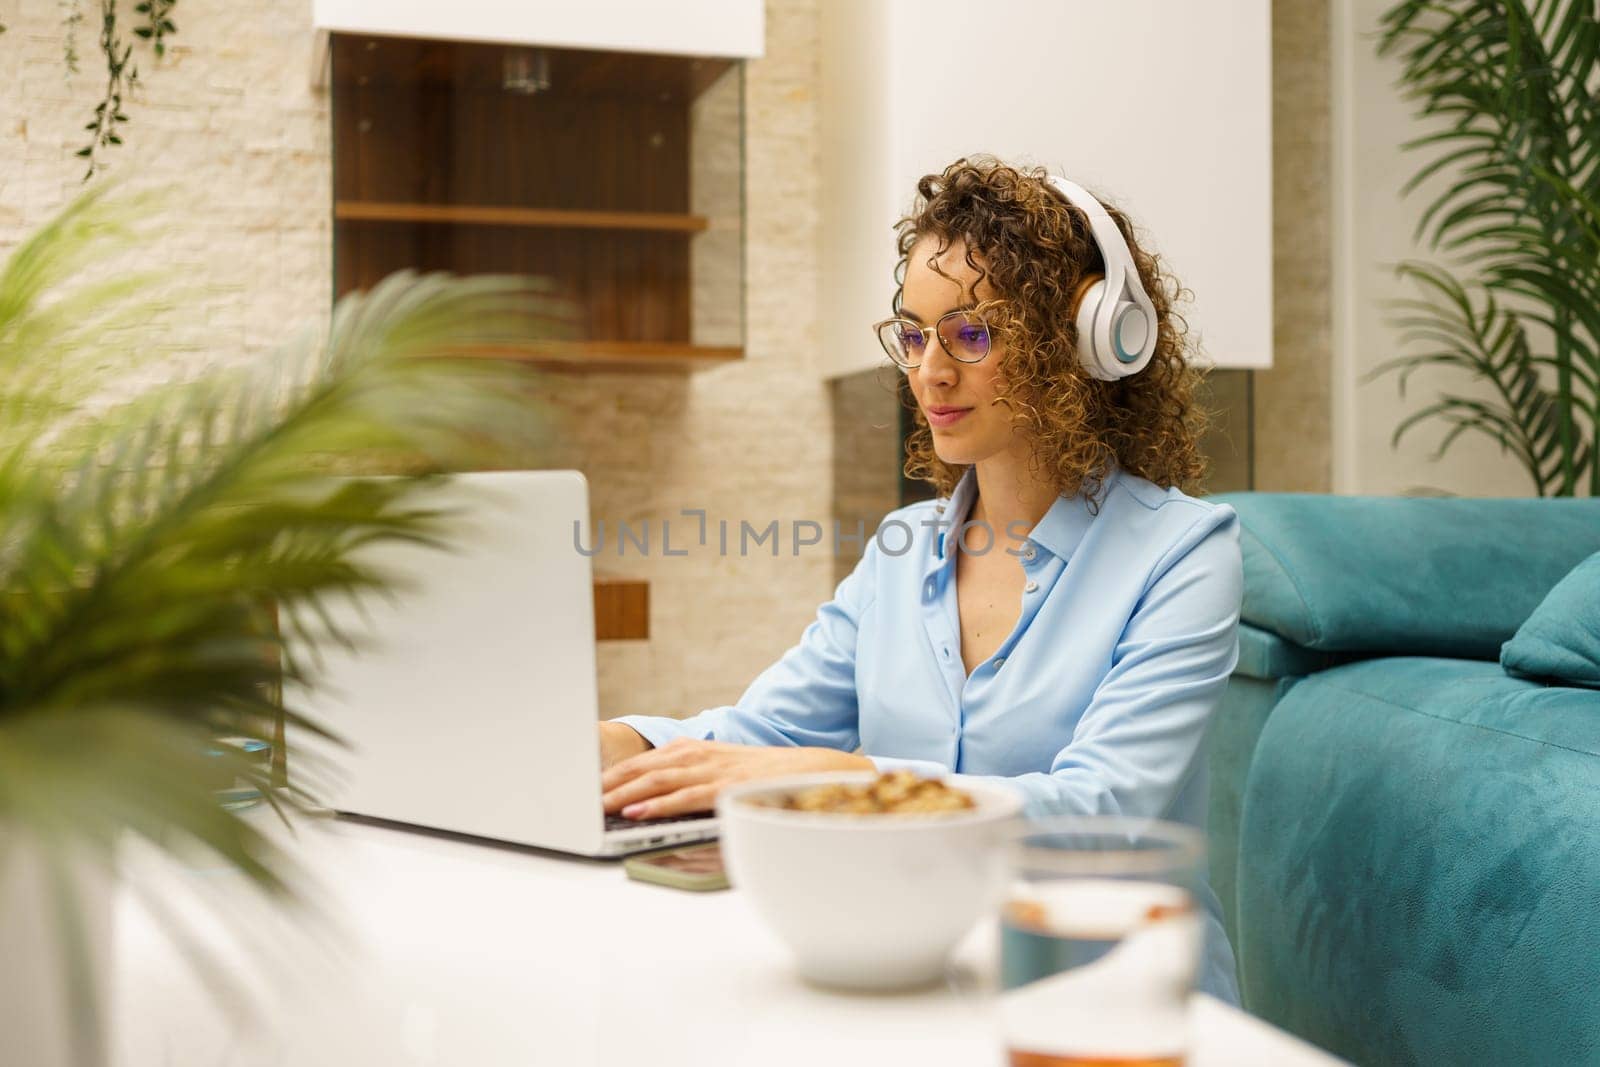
(692, 867)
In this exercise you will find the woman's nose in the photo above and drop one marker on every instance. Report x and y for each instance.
(937, 365)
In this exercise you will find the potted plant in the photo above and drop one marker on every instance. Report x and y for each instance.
(163, 558)
(1507, 92)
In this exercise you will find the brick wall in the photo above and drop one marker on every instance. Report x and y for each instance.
(227, 126)
(230, 125)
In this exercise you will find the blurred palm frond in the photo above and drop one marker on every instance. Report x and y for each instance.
(164, 556)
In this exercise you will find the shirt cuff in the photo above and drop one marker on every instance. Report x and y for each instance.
(658, 730)
(923, 768)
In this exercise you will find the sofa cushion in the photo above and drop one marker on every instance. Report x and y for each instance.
(1411, 576)
(1560, 642)
(1418, 872)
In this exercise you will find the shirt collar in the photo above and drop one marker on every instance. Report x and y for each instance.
(951, 513)
(1058, 532)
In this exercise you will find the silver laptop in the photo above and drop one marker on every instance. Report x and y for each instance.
(473, 706)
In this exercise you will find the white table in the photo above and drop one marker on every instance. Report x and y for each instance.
(439, 951)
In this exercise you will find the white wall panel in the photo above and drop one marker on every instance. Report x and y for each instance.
(1163, 106)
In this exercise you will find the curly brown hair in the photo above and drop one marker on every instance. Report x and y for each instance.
(1037, 251)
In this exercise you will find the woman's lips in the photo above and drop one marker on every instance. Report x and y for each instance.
(939, 418)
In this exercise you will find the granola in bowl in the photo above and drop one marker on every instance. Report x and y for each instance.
(895, 793)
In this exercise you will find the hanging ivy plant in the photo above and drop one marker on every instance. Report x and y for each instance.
(153, 24)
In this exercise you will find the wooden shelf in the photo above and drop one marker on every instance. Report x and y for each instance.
(621, 609)
(615, 355)
(612, 185)
(535, 218)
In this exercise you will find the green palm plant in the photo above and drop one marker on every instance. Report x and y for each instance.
(1508, 89)
(163, 560)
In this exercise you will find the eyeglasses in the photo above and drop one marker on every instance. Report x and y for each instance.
(964, 335)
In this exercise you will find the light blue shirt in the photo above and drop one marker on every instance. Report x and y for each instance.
(1098, 700)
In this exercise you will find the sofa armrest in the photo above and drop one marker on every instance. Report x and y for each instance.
(1404, 575)
(1266, 655)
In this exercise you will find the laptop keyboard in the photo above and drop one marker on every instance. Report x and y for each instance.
(617, 822)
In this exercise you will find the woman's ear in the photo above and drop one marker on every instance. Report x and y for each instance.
(1084, 284)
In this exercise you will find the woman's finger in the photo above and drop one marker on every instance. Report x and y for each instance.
(692, 798)
(650, 784)
(672, 755)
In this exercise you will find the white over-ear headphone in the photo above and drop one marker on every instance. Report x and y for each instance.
(1117, 324)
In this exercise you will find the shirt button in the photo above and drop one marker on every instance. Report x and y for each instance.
(1000, 661)
(1031, 587)
(928, 590)
(1028, 552)
(947, 652)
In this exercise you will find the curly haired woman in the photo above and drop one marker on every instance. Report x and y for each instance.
(1065, 616)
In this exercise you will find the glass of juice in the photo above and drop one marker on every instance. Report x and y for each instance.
(1099, 942)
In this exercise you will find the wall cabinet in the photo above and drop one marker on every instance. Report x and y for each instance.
(616, 175)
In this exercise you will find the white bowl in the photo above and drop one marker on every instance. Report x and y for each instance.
(866, 901)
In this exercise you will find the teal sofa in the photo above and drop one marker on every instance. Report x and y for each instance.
(1405, 839)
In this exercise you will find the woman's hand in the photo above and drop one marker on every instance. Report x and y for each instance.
(685, 776)
(618, 741)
